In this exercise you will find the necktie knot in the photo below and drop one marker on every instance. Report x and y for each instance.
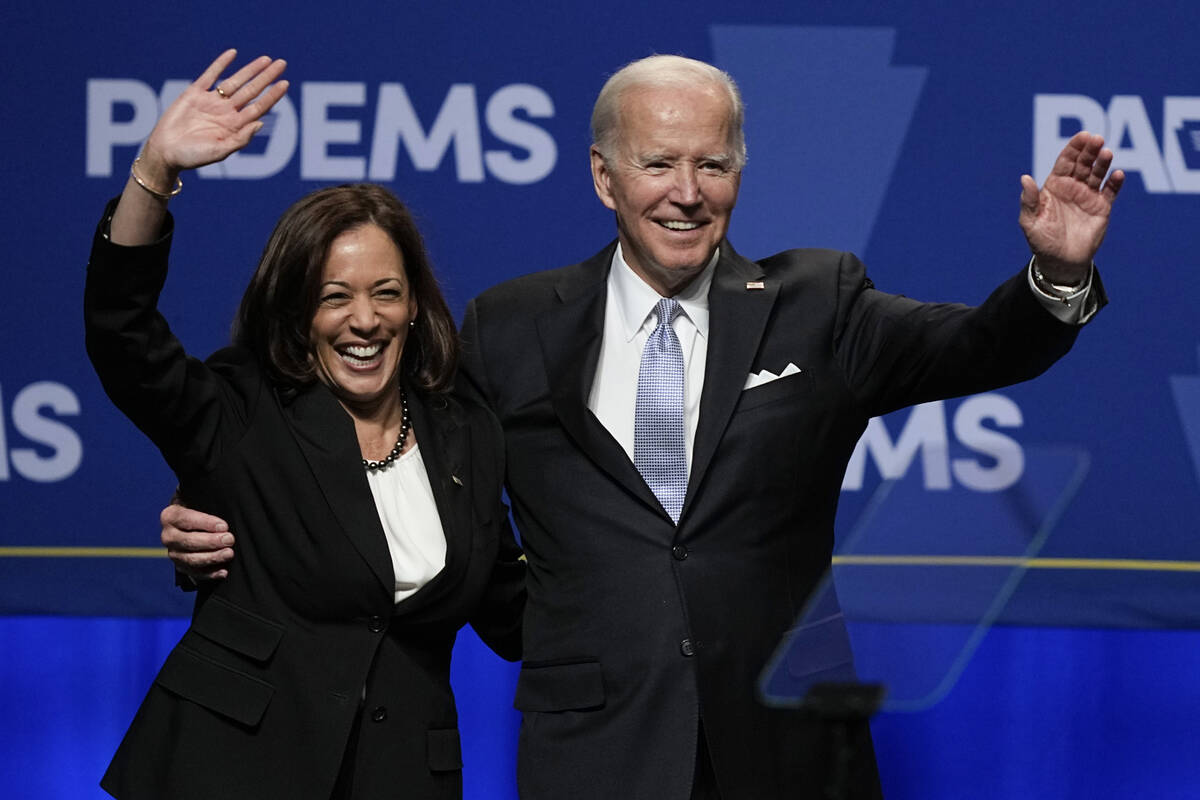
(667, 309)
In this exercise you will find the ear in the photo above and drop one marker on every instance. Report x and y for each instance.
(602, 179)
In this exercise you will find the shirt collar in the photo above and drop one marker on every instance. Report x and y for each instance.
(635, 300)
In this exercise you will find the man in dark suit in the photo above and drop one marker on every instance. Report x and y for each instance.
(677, 421)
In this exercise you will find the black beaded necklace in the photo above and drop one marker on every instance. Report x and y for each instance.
(372, 466)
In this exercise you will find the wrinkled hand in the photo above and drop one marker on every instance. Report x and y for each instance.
(1066, 220)
(199, 544)
(211, 119)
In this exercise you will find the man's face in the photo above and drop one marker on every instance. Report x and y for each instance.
(671, 181)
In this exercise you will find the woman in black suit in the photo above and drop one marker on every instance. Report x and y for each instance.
(366, 497)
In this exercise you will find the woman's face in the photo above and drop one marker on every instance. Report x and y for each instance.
(364, 308)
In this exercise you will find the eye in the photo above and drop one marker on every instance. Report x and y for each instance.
(389, 293)
(334, 298)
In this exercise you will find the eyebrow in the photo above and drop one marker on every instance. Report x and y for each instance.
(346, 284)
(646, 158)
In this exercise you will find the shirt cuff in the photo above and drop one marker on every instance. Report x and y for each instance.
(1074, 308)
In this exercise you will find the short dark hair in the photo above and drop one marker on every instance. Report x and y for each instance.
(277, 310)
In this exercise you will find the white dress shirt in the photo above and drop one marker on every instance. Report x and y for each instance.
(629, 320)
(415, 538)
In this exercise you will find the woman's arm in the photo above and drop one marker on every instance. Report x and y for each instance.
(145, 371)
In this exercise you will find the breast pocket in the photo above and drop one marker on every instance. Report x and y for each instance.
(795, 386)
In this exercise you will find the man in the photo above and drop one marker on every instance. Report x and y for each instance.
(678, 420)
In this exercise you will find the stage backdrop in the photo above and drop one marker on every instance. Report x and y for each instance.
(898, 131)
(897, 134)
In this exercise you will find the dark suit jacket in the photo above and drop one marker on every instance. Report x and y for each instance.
(636, 628)
(259, 697)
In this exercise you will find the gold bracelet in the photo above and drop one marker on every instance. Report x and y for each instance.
(160, 195)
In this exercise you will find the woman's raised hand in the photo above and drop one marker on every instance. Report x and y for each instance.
(212, 118)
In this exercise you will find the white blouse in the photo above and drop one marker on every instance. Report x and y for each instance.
(415, 538)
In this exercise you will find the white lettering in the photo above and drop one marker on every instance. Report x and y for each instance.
(65, 445)
(970, 431)
(508, 128)
(316, 98)
(1127, 120)
(457, 121)
(1176, 112)
(3, 443)
(1128, 132)
(104, 132)
(121, 113)
(924, 431)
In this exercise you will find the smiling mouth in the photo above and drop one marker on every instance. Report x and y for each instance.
(679, 225)
(360, 355)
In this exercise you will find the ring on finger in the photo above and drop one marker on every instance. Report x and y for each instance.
(221, 92)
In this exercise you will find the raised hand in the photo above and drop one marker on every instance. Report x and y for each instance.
(212, 119)
(1066, 220)
(207, 122)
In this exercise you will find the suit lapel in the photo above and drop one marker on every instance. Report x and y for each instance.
(570, 335)
(325, 433)
(737, 319)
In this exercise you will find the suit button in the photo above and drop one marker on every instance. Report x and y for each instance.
(687, 648)
(379, 714)
(680, 552)
(375, 624)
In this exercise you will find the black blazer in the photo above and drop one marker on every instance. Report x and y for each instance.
(259, 697)
(635, 628)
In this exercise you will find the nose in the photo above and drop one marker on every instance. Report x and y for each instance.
(363, 318)
(686, 191)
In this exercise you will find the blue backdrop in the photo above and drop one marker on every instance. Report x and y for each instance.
(898, 132)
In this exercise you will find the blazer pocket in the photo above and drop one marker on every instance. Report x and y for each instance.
(242, 631)
(220, 688)
(560, 687)
(778, 389)
(443, 750)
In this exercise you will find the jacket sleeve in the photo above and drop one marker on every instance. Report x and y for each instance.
(497, 617)
(181, 403)
(897, 352)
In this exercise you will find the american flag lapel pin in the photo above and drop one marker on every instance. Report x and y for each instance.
(755, 285)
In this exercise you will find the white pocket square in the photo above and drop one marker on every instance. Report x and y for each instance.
(766, 376)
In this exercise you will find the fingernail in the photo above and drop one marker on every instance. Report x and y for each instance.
(227, 540)
(222, 526)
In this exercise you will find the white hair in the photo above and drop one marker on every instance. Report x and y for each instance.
(658, 72)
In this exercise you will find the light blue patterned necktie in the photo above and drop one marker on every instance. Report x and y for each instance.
(658, 444)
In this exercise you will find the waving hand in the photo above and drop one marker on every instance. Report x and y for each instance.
(210, 120)
(1066, 220)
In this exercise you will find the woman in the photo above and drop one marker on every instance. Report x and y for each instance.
(367, 499)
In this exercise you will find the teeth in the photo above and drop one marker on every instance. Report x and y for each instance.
(361, 352)
(679, 225)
